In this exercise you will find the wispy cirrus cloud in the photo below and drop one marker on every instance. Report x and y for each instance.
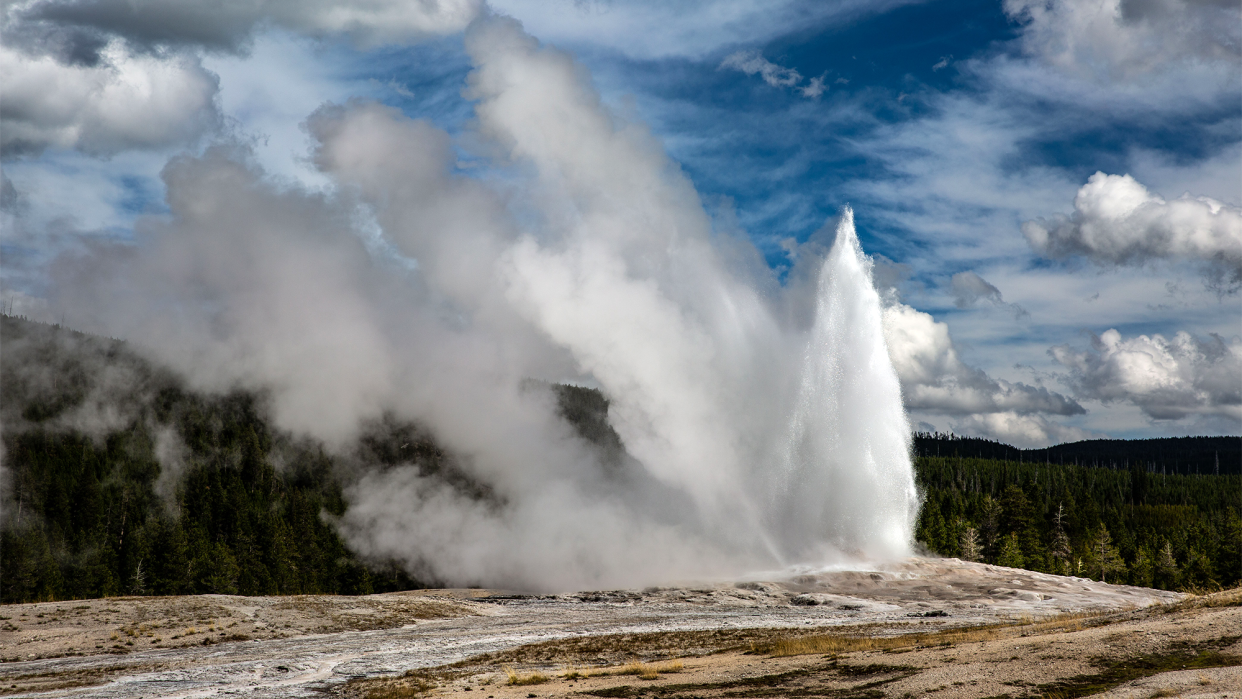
(652, 30)
(753, 63)
(969, 288)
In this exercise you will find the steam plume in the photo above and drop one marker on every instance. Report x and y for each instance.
(763, 425)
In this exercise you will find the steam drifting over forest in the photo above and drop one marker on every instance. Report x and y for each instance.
(762, 424)
(121, 480)
(454, 306)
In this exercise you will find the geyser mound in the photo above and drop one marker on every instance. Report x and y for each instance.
(761, 423)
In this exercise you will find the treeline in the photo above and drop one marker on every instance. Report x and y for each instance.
(1188, 455)
(1124, 526)
(119, 481)
(88, 519)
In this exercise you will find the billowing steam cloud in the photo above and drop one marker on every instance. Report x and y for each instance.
(763, 425)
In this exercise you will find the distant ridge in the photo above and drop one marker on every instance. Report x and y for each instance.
(1184, 455)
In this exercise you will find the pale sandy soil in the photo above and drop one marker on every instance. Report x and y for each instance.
(459, 642)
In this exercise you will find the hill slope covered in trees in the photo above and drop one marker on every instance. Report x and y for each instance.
(118, 479)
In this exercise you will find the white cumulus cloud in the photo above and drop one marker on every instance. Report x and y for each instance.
(105, 76)
(222, 24)
(1123, 39)
(1167, 378)
(1023, 431)
(1117, 221)
(934, 379)
(124, 101)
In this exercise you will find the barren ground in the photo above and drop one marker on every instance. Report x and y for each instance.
(921, 627)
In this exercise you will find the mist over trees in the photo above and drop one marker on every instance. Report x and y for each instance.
(119, 480)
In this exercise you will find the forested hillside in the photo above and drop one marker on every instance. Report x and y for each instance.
(88, 512)
(1127, 526)
(118, 480)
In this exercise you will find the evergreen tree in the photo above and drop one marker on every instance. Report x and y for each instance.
(1197, 573)
(1142, 570)
(1011, 553)
(1167, 573)
(968, 547)
(1229, 556)
(1105, 558)
(1060, 550)
(989, 528)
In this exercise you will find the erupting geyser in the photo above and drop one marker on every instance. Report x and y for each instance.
(762, 424)
(848, 480)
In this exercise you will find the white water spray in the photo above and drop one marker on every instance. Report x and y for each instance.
(847, 434)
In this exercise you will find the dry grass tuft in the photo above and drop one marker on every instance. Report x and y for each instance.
(519, 680)
(404, 688)
(643, 671)
(414, 683)
(1223, 598)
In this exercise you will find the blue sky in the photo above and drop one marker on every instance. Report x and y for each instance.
(957, 131)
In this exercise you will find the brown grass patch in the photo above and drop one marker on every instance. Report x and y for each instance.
(404, 688)
(616, 649)
(1223, 598)
(832, 644)
(415, 683)
(644, 671)
(517, 679)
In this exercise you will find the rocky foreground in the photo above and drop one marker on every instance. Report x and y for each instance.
(920, 626)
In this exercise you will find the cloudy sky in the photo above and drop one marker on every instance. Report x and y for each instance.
(1050, 189)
